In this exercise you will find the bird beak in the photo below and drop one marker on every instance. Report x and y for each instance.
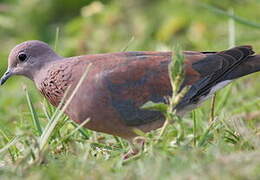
(7, 74)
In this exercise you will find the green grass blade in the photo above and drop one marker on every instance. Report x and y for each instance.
(11, 149)
(80, 126)
(81, 130)
(231, 15)
(9, 144)
(206, 135)
(128, 44)
(194, 118)
(120, 142)
(34, 115)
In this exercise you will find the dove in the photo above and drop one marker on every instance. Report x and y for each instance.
(118, 84)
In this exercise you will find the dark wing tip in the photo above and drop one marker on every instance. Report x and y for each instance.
(239, 52)
(246, 46)
(246, 49)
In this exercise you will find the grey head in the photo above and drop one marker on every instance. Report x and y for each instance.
(27, 58)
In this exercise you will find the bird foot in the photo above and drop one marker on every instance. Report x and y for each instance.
(137, 145)
(131, 153)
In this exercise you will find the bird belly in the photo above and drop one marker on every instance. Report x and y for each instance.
(214, 89)
(191, 106)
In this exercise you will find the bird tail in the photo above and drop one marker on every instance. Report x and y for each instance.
(254, 62)
(250, 65)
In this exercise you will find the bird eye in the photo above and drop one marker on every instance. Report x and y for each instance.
(22, 56)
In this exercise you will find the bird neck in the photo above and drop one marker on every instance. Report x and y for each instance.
(36, 72)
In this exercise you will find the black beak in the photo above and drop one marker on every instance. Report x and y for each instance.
(7, 74)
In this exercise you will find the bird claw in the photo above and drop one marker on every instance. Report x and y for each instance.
(137, 147)
(131, 153)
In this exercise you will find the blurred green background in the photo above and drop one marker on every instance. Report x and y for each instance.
(88, 26)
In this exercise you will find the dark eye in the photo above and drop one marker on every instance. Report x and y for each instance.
(22, 56)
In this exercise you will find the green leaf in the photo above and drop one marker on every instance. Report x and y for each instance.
(155, 106)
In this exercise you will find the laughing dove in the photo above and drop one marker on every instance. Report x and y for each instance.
(119, 83)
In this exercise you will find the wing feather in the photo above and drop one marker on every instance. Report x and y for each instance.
(214, 69)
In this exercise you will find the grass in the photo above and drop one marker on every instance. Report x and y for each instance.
(220, 140)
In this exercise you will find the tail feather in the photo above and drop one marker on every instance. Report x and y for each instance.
(228, 65)
(248, 66)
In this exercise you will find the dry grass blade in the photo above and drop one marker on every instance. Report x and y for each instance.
(57, 38)
(212, 107)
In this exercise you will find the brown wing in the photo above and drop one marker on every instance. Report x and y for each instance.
(141, 77)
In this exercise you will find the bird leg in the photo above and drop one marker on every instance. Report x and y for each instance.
(137, 145)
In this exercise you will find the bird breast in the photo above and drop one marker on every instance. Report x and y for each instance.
(55, 83)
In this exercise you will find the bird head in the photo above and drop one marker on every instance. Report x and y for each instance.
(27, 58)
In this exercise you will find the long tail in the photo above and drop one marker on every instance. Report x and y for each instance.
(201, 89)
(248, 66)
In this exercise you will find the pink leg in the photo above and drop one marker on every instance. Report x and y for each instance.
(137, 145)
